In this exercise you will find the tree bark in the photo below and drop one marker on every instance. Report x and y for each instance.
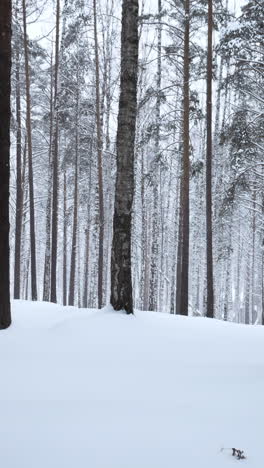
(179, 254)
(186, 167)
(75, 211)
(262, 257)
(55, 150)
(100, 167)
(19, 196)
(87, 244)
(121, 268)
(209, 228)
(5, 113)
(64, 274)
(253, 269)
(34, 294)
(46, 278)
(154, 277)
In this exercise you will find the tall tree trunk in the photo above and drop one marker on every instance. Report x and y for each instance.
(209, 229)
(228, 278)
(146, 259)
(55, 155)
(23, 234)
(108, 161)
(46, 278)
(87, 244)
(100, 163)
(247, 291)
(253, 272)
(75, 211)
(262, 283)
(144, 239)
(153, 284)
(179, 252)
(86, 267)
(121, 268)
(154, 254)
(5, 113)
(238, 271)
(19, 201)
(26, 275)
(186, 166)
(64, 274)
(262, 257)
(34, 294)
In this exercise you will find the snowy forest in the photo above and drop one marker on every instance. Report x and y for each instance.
(131, 233)
(193, 181)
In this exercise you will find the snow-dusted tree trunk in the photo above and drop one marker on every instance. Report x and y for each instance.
(65, 237)
(100, 164)
(19, 197)
(75, 207)
(46, 277)
(55, 174)
(154, 262)
(186, 167)
(34, 293)
(121, 271)
(209, 228)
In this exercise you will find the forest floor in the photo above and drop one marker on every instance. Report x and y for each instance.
(98, 389)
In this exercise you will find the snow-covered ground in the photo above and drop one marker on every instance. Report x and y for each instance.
(98, 389)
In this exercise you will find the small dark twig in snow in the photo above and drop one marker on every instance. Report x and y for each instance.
(239, 454)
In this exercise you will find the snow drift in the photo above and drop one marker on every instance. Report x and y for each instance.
(98, 389)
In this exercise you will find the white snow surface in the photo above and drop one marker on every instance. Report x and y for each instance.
(99, 389)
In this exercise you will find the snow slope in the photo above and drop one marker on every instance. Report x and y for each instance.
(98, 389)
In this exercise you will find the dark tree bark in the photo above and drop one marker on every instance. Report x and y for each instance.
(121, 274)
(54, 152)
(30, 165)
(46, 278)
(19, 195)
(86, 268)
(75, 210)
(145, 267)
(5, 113)
(100, 167)
(209, 229)
(153, 284)
(87, 244)
(64, 274)
(247, 292)
(253, 268)
(25, 258)
(179, 256)
(186, 166)
(262, 260)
